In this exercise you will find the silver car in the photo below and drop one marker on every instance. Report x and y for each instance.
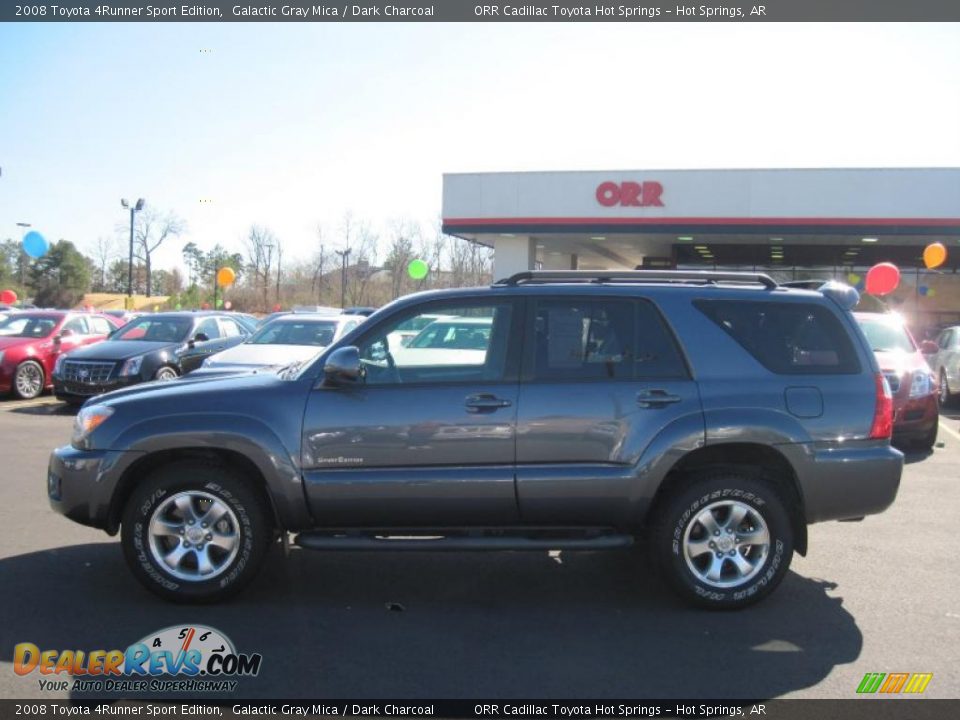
(945, 362)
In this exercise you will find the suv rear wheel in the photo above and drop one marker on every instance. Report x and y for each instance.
(194, 532)
(725, 541)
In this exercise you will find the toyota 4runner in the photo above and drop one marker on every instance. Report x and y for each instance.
(709, 416)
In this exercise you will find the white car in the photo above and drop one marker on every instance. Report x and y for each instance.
(285, 340)
(448, 341)
(408, 330)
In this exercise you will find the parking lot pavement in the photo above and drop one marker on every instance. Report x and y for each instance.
(875, 596)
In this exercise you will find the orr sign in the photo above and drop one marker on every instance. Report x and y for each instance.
(630, 194)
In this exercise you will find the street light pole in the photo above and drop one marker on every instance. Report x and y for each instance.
(133, 210)
(344, 255)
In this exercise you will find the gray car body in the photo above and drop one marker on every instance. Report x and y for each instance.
(336, 456)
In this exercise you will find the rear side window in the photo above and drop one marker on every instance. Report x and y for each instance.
(608, 339)
(786, 338)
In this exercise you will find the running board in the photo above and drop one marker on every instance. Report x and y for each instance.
(433, 543)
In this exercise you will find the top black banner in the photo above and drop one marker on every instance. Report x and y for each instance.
(484, 11)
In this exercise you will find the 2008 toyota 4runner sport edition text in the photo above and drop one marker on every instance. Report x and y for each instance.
(710, 416)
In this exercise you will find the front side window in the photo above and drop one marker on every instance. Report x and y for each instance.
(456, 343)
(786, 338)
(231, 328)
(101, 326)
(210, 328)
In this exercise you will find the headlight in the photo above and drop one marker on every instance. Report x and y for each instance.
(922, 384)
(131, 367)
(88, 420)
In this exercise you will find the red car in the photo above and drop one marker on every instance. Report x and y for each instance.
(916, 411)
(31, 341)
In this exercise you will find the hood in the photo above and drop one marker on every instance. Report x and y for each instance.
(901, 362)
(189, 388)
(249, 354)
(119, 349)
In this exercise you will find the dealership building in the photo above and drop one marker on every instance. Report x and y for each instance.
(792, 224)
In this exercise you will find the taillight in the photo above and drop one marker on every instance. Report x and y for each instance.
(882, 427)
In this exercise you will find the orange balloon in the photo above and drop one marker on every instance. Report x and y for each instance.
(934, 255)
(226, 276)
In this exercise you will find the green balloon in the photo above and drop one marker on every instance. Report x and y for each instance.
(418, 269)
(179, 306)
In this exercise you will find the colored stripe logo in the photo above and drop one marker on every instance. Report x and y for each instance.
(894, 683)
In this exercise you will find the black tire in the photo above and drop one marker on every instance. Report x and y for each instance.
(946, 397)
(166, 373)
(249, 523)
(719, 490)
(33, 368)
(926, 441)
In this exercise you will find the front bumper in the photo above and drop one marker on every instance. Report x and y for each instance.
(915, 417)
(78, 391)
(81, 483)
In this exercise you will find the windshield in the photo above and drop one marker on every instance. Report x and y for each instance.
(886, 336)
(27, 326)
(306, 332)
(451, 335)
(155, 329)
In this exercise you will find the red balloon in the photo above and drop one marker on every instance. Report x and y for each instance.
(8, 297)
(277, 308)
(205, 306)
(883, 278)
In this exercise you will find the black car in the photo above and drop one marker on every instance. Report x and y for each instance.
(161, 346)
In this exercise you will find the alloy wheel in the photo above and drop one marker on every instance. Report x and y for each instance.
(726, 543)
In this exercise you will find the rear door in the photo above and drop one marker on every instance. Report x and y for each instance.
(603, 376)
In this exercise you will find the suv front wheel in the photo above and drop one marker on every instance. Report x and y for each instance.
(725, 541)
(194, 532)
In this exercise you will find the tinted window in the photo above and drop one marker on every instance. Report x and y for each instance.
(786, 338)
(155, 329)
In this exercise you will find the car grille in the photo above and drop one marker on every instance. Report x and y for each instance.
(88, 372)
(893, 380)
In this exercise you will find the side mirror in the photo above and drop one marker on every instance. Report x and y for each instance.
(929, 347)
(343, 366)
(65, 333)
(57, 339)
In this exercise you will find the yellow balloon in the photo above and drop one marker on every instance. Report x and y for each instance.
(931, 292)
(226, 276)
(934, 255)
(853, 278)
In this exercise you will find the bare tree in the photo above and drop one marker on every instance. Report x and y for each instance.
(151, 229)
(320, 260)
(404, 238)
(105, 251)
(260, 244)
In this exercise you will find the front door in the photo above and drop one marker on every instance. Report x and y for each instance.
(603, 377)
(428, 437)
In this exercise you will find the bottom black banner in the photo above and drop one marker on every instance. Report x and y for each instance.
(872, 708)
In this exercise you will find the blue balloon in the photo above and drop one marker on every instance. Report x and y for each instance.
(923, 290)
(35, 245)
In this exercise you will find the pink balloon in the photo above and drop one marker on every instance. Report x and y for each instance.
(883, 278)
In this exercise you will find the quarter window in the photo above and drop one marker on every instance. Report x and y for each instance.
(76, 326)
(786, 338)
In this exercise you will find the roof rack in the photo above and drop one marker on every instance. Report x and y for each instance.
(704, 277)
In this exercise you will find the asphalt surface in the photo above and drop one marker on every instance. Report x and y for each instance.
(876, 596)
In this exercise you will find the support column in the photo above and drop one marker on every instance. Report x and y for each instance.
(512, 255)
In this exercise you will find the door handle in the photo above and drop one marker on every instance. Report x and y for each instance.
(656, 398)
(485, 401)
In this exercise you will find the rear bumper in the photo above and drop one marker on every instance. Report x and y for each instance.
(841, 482)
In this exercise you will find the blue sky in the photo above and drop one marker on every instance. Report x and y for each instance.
(291, 125)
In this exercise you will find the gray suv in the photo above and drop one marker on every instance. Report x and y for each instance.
(709, 416)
